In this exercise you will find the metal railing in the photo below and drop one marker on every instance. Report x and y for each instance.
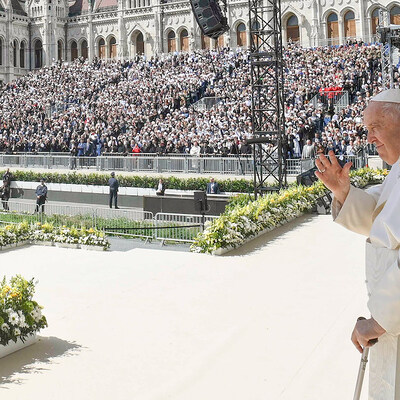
(230, 165)
(119, 222)
(189, 225)
(206, 103)
(341, 101)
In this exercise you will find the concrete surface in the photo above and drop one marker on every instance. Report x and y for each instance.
(271, 320)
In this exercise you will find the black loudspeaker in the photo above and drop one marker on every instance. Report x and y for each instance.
(307, 178)
(200, 201)
(209, 16)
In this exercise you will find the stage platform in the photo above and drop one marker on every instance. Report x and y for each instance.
(271, 320)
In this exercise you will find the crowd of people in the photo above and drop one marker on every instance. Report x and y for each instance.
(145, 105)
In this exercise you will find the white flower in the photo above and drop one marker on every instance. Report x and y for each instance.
(14, 319)
(17, 332)
(36, 314)
(22, 322)
(5, 327)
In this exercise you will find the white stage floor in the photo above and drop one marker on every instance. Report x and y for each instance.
(269, 321)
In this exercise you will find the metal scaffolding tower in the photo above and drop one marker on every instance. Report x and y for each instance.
(267, 87)
(386, 50)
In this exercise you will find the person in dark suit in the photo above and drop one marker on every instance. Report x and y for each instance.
(213, 187)
(5, 195)
(160, 189)
(114, 185)
(41, 196)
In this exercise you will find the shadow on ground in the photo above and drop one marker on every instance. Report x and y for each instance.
(33, 359)
(271, 237)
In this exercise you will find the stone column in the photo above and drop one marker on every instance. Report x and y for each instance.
(314, 25)
(91, 48)
(341, 29)
(361, 22)
(122, 46)
(8, 46)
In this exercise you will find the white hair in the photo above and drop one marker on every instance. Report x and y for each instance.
(389, 108)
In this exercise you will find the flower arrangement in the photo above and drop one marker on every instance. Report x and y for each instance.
(20, 315)
(14, 233)
(245, 217)
(47, 232)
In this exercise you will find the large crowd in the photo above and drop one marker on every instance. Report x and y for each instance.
(147, 105)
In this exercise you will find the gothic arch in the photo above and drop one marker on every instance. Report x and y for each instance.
(293, 31)
(111, 44)
(73, 50)
(238, 22)
(343, 12)
(60, 50)
(183, 42)
(241, 38)
(2, 49)
(23, 52)
(327, 13)
(137, 46)
(137, 27)
(38, 59)
(83, 47)
(100, 46)
(171, 37)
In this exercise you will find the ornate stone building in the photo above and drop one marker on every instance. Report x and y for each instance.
(34, 33)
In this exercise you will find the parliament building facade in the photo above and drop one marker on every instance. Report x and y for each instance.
(35, 33)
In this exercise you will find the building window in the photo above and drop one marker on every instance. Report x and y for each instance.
(184, 39)
(22, 55)
(171, 42)
(139, 43)
(38, 54)
(349, 25)
(1, 51)
(333, 28)
(241, 35)
(84, 49)
(374, 20)
(221, 42)
(59, 50)
(102, 49)
(292, 29)
(113, 48)
(15, 52)
(74, 50)
(395, 15)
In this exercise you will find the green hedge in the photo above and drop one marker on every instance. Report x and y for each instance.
(226, 185)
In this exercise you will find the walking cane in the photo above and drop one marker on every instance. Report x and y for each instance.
(363, 366)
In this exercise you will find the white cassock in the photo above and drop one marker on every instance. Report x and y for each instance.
(375, 213)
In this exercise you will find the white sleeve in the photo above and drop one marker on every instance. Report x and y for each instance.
(356, 212)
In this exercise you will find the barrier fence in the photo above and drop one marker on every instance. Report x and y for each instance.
(230, 165)
(123, 222)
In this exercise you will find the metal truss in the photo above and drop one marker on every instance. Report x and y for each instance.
(267, 88)
(386, 50)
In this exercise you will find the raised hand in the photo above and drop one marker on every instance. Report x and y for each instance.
(335, 178)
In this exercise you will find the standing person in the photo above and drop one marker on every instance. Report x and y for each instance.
(160, 189)
(41, 196)
(375, 213)
(114, 185)
(7, 177)
(5, 195)
(212, 187)
(308, 150)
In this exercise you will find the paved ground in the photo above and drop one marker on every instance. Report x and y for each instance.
(269, 321)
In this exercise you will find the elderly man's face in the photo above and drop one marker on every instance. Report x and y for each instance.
(383, 131)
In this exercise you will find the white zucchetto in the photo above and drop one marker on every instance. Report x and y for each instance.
(388, 96)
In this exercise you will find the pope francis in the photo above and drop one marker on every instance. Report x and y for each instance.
(375, 213)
